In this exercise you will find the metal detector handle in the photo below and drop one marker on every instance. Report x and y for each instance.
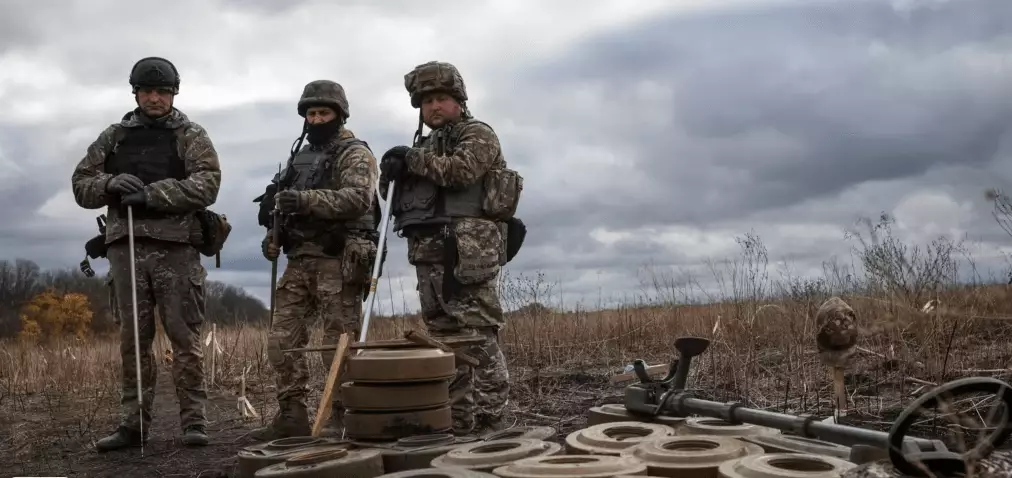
(374, 280)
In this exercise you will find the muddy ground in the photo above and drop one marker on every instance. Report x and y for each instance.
(42, 443)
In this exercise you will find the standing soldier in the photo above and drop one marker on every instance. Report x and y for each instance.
(329, 235)
(452, 200)
(165, 167)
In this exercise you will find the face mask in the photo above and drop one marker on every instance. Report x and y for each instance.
(321, 133)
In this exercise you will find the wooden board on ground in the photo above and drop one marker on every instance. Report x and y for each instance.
(406, 344)
(323, 411)
(654, 371)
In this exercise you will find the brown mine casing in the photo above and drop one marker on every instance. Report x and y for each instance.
(254, 457)
(392, 425)
(400, 365)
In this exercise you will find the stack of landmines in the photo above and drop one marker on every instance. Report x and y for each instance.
(397, 388)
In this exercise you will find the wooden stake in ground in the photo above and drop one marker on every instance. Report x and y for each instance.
(836, 339)
(323, 411)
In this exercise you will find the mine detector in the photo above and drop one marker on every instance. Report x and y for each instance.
(908, 455)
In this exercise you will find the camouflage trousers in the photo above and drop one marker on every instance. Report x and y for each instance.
(479, 394)
(171, 279)
(311, 284)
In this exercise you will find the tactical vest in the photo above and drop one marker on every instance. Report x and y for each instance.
(307, 171)
(150, 154)
(421, 202)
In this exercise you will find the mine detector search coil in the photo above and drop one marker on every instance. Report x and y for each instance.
(668, 395)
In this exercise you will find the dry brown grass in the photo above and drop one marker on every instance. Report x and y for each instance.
(762, 351)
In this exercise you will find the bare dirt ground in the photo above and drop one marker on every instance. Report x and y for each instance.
(38, 445)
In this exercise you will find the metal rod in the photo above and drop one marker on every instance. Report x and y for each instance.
(137, 335)
(374, 280)
(811, 428)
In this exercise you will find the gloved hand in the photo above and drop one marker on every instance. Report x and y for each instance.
(124, 184)
(134, 199)
(392, 165)
(270, 250)
(289, 201)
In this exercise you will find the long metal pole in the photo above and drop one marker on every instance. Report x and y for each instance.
(137, 334)
(374, 280)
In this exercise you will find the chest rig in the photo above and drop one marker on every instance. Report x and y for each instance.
(151, 154)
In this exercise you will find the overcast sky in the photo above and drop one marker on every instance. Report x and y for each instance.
(646, 132)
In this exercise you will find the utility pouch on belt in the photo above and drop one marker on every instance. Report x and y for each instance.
(214, 230)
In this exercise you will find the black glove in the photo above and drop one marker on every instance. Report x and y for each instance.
(134, 199)
(289, 201)
(392, 165)
(124, 184)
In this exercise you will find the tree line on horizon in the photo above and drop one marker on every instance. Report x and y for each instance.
(34, 297)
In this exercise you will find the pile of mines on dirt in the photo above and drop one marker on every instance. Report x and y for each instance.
(397, 394)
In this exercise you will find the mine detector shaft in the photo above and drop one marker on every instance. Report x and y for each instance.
(668, 396)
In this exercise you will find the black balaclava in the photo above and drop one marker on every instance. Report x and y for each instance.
(322, 133)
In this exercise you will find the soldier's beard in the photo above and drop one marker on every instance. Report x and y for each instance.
(321, 133)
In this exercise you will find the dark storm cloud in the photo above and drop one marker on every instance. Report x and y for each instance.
(790, 120)
(794, 102)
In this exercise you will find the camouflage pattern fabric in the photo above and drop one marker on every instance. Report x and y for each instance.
(476, 150)
(478, 395)
(345, 196)
(317, 284)
(324, 93)
(474, 304)
(168, 269)
(170, 277)
(179, 198)
(313, 287)
(113, 308)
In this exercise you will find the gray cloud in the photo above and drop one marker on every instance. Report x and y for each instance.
(654, 142)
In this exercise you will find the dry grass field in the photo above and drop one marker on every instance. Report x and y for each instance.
(59, 397)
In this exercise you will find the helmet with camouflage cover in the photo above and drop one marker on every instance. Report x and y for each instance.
(324, 93)
(155, 72)
(434, 76)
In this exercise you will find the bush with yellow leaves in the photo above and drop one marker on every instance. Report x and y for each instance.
(50, 315)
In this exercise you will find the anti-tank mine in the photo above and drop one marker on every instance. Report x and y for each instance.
(707, 439)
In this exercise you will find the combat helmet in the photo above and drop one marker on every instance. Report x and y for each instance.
(324, 93)
(434, 76)
(156, 72)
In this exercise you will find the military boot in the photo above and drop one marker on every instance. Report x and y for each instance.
(335, 424)
(485, 424)
(194, 435)
(123, 437)
(291, 421)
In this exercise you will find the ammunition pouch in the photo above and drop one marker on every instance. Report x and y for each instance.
(474, 260)
(214, 230)
(501, 188)
(332, 239)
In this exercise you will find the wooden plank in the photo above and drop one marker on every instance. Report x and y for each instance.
(323, 411)
(654, 371)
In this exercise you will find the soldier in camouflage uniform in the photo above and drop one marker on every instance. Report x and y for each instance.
(329, 235)
(453, 193)
(165, 167)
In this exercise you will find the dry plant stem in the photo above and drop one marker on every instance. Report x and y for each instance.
(323, 410)
(840, 390)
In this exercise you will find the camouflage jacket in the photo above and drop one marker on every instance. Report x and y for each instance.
(179, 198)
(345, 195)
(472, 149)
(476, 150)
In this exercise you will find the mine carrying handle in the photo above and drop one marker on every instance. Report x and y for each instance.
(669, 397)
